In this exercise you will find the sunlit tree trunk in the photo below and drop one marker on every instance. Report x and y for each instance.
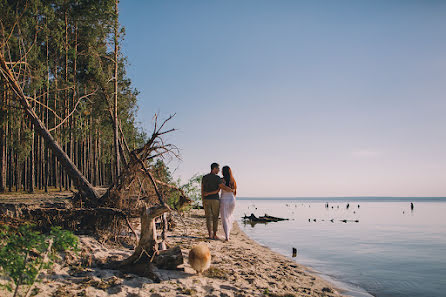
(115, 103)
(3, 150)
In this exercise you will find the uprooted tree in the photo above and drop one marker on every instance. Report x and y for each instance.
(118, 203)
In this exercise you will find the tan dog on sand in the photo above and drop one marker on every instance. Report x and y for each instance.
(200, 257)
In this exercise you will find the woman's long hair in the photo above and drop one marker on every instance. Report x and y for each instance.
(227, 175)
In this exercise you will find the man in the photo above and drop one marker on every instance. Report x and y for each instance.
(211, 184)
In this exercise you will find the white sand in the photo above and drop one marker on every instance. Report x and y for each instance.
(240, 267)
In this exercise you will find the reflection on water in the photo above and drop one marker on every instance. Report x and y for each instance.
(379, 245)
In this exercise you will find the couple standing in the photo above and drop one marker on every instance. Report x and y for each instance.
(215, 205)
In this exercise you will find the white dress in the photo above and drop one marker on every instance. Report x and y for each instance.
(227, 206)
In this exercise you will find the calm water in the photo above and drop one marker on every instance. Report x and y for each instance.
(391, 251)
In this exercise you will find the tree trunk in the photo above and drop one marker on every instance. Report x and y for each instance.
(115, 105)
(3, 130)
(66, 102)
(146, 253)
(148, 243)
(91, 152)
(11, 171)
(95, 160)
(31, 167)
(3, 133)
(55, 162)
(18, 171)
(46, 151)
(71, 121)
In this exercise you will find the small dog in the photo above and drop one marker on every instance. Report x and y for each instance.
(200, 257)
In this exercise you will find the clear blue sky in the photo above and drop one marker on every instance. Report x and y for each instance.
(300, 98)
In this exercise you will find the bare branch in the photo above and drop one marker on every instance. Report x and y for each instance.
(13, 63)
(165, 121)
(155, 119)
(131, 228)
(45, 106)
(74, 109)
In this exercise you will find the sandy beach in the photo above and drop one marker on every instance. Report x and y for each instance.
(240, 267)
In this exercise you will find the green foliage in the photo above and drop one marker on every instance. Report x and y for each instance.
(161, 171)
(22, 252)
(63, 240)
(17, 248)
(193, 188)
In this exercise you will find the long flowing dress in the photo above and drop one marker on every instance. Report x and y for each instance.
(227, 206)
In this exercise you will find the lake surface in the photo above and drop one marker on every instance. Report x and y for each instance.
(391, 251)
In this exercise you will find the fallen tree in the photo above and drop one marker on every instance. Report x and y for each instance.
(119, 201)
(80, 182)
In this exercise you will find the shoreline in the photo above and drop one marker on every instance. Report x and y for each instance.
(337, 286)
(240, 267)
(343, 288)
(346, 289)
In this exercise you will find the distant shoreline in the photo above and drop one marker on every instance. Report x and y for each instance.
(351, 198)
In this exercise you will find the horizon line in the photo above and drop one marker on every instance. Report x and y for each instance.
(298, 197)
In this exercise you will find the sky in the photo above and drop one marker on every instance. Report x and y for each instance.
(299, 98)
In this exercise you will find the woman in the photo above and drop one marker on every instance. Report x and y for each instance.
(227, 201)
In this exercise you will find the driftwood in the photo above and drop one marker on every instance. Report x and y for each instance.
(352, 221)
(148, 244)
(169, 259)
(147, 253)
(263, 219)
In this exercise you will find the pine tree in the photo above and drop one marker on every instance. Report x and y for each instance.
(60, 51)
